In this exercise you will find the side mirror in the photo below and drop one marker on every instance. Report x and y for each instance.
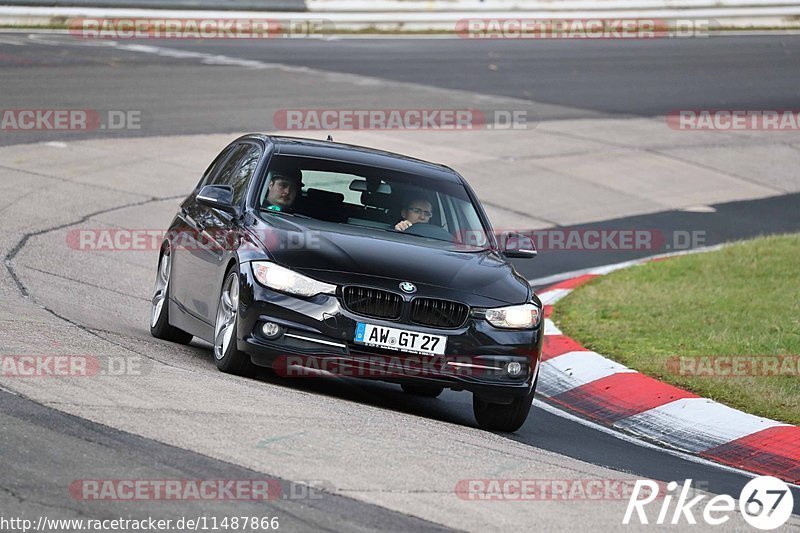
(217, 197)
(517, 245)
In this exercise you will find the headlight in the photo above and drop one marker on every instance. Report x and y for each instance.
(285, 280)
(524, 316)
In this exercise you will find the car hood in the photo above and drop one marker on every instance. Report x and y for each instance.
(352, 255)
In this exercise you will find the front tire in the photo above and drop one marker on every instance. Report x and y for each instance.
(227, 356)
(160, 327)
(503, 417)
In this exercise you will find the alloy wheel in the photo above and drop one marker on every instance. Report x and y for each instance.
(160, 290)
(226, 316)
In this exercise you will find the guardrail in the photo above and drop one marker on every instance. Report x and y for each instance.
(411, 15)
(396, 6)
(215, 5)
(411, 6)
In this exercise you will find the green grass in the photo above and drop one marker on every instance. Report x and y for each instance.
(741, 300)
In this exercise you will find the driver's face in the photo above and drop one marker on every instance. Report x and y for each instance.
(282, 192)
(418, 211)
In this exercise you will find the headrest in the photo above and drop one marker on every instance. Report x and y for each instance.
(375, 199)
(323, 196)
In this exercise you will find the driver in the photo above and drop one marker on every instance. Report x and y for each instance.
(282, 189)
(418, 210)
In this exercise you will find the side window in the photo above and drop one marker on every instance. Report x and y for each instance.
(240, 179)
(223, 177)
(333, 182)
(214, 167)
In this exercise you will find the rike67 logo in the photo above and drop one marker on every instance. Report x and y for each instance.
(765, 503)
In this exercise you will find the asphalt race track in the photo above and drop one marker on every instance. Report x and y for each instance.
(374, 457)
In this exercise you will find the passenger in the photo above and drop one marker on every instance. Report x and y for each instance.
(418, 210)
(282, 189)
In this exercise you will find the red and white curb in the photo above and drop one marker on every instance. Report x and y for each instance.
(614, 395)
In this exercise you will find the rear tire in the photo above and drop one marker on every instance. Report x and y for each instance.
(227, 356)
(503, 417)
(426, 391)
(160, 327)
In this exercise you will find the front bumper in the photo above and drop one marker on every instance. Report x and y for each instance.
(317, 339)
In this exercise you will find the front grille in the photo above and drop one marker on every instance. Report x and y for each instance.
(438, 313)
(373, 302)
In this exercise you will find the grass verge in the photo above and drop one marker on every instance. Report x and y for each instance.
(683, 320)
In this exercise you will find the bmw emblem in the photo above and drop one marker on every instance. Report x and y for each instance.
(408, 287)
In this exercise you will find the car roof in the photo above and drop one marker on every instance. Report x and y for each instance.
(298, 146)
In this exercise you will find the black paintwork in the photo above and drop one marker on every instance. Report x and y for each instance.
(207, 242)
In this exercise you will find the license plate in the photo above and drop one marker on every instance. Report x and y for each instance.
(400, 339)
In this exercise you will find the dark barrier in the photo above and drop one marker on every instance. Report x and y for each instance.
(257, 5)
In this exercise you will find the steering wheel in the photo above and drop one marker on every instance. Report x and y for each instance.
(431, 231)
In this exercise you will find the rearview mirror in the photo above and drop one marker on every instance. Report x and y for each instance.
(517, 245)
(217, 197)
(363, 186)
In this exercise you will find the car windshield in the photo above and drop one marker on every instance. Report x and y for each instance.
(410, 207)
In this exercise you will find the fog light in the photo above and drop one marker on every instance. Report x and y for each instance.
(271, 330)
(513, 369)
